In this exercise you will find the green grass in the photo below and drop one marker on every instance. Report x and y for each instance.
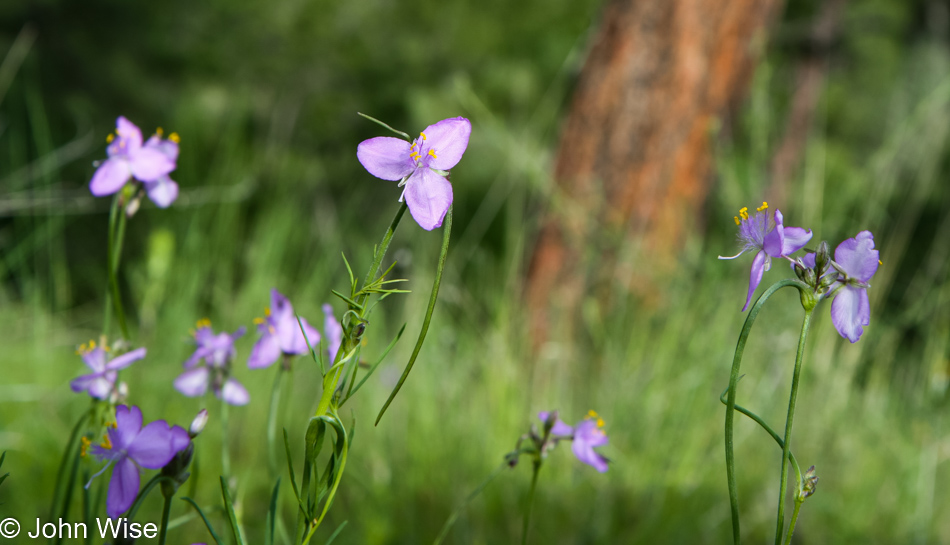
(272, 195)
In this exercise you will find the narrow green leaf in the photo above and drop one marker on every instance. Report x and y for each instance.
(347, 300)
(446, 235)
(313, 352)
(378, 122)
(272, 515)
(336, 532)
(229, 507)
(350, 271)
(210, 528)
(293, 478)
(372, 369)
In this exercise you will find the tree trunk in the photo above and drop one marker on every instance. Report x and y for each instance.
(633, 164)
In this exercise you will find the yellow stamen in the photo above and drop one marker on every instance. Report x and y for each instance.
(432, 153)
(266, 311)
(737, 220)
(744, 212)
(414, 155)
(413, 145)
(592, 414)
(85, 445)
(423, 135)
(258, 321)
(110, 138)
(600, 422)
(106, 443)
(159, 132)
(113, 425)
(204, 322)
(879, 262)
(764, 206)
(106, 348)
(174, 137)
(270, 329)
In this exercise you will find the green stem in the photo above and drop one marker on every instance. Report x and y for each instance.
(731, 399)
(780, 518)
(117, 221)
(381, 250)
(272, 422)
(68, 453)
(791, 525)
(225, 456)
(166, 510)
(527, 511)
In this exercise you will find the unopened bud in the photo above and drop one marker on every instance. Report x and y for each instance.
(133, 206)
(822, 257)
(809, 482)
(198, 424)
(827, 281)
(549, 422)
(800, 270)
(809, 277)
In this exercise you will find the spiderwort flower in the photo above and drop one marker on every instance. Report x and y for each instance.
(770, 237)
(420, 166)
(101, 382)
(586, 435)
(163, 190)
(280, 333)
(131, 447)
(128, 158)
(217, 351)
(857, 261)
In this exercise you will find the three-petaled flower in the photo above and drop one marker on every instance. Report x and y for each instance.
(280, 333)
(101, 382)
(420, 166)
(130, 447)
(770, 237)
(217, 351)
(150, 163)
(586, 435)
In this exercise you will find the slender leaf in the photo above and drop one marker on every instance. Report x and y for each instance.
(272, 515)
(378, 122)
(336, 532)
(446, 235)
(293, 478)
(229, 507)
(210, 528)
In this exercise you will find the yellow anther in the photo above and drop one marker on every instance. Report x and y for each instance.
(423, 135)
(432, 153)
(92, 345)
(106, 348)
(113, 425)
(413, 145)
(174, 137)
(106, 443)
(159, 132)
(879, 262)
(737, 220)
(592, 414)
(110, 138)
(764, 206)
(266, 311)
(258, 321)
(85, 445)
(271, 330)
(204, 322)
(744, 212)
(414, 155)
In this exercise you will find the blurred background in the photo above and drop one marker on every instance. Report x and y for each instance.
(612, 144)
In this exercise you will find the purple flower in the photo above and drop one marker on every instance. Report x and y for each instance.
(333, 331)
(857, 261)
(217, 351)
(128, 158)
(280, 333)
(421, 166)
(586, 435)
(163, 190)
(770, 237)
(100, 383)
(131, 447)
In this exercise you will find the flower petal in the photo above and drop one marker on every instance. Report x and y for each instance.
(448, 139)
(123, 488)
(111, 175)
(157, 444)
(233, 393)
(559, 427)
(429, 197)
(850, 310)
(774, 240)
(162, 191)
(385, 157)
(149, 164)
(193, 383)
(795, 239)
(265, 351)
(292, 340)
(858, 257)
(128, 424)
(167, 147)
(126, 359)
(95, 359)
(102, 385)
(758, 268)
(129, 133)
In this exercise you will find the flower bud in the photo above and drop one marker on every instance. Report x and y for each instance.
(822, 257)
(809, 277)
(198, 424)
(827, 281)
(800, 270)
(809, 483)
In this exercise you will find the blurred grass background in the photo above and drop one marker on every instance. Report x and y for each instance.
(264, 97)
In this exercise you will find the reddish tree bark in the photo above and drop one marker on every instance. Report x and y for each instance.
(633, 165)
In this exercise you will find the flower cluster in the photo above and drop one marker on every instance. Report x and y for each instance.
(584, 437)
(845, 278)
(150, 163)
(217, 351)
(101, 383)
